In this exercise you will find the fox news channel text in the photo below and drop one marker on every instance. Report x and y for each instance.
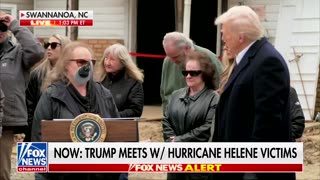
(56, 18)
(159, 157)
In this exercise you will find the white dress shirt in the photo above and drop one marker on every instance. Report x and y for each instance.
(243, 52)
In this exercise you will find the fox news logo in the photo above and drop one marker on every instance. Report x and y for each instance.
(32, 157)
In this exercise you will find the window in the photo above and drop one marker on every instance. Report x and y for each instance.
(9, 9)
(12, 10)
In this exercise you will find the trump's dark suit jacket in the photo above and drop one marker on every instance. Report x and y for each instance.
(254, 106)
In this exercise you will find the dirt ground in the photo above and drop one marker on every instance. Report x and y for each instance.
(151, 131)
(311, 139)
(311, 163)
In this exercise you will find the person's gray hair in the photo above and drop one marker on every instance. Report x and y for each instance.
(180, 40)
(243, 20)
(121, 52)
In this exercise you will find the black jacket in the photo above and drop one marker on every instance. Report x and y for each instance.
(254, 107)
(255, 101)
(127, 94)
(296, 114)
(58, 103)
(33, 95)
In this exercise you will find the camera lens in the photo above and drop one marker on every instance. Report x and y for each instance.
(3, 27)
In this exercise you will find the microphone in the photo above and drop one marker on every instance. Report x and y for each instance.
(83, 74)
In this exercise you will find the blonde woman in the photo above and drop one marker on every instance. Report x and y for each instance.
(228, 60)
(53, 47)
(117, 72)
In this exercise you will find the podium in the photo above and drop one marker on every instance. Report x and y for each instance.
(122, 130)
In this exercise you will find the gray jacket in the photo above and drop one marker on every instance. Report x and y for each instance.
(16, 61)
(189, 118)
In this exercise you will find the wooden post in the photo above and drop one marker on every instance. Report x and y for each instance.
(186, 17)
(74, 29)
(179, 15)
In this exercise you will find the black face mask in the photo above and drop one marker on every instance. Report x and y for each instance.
(3, 27)
(84, 73)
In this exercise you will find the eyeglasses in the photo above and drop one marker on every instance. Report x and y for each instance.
(83, 62)
(53, 45)
(192, 73)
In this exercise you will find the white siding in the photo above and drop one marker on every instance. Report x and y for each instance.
(110, 19)
(45, 32)
(299, 28)
(16, 6)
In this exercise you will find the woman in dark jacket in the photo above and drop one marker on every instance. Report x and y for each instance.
(39, 73)
(68, 96)
(117, 72)
(190, 111)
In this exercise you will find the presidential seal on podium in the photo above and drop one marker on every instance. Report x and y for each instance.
(88, 127)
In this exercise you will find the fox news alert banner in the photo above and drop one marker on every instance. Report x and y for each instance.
(159, 157)
(56, 18)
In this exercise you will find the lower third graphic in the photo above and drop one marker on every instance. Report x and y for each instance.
(32, 157)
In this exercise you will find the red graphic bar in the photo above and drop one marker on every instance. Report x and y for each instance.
(31, 169)
(175, 167)
(56, 22)
(147, 55)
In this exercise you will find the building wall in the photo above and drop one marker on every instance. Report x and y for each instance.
(44, 32)
(21, 5)
(110, 22)
(110, 18)
(16, 6)
(317, 103)
(298, 35)
(97, 45)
